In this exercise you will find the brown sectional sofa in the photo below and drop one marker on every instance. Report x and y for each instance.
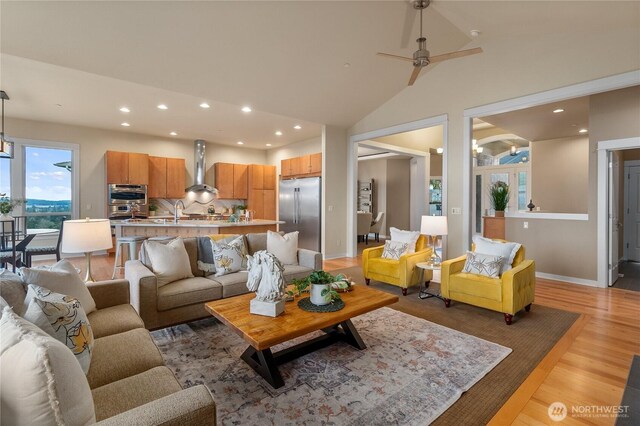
(183, 300)
(128, 379)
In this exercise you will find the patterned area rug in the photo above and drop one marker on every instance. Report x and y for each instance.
(410, 373)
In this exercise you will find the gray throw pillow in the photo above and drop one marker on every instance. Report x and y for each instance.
(483, 264)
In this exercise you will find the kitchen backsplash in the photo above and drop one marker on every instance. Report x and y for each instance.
(165, 206)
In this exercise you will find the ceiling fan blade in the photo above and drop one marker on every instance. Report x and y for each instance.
(453, 55)
(389, 55)
(407, 28)
(414, 74)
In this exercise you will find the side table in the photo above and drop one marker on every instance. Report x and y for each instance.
(424, 286)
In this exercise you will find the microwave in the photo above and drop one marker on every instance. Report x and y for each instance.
(125, 194)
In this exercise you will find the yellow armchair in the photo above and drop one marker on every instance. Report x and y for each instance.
(508, 294)
(402, 272)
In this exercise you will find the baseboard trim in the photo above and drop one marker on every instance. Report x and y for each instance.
(572, 280)
(335, 256)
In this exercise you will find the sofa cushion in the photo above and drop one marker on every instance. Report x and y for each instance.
(476, 285)
(292, 272)
(42, 382)
(483, 264)
(114, 320)
(13, 290)
(61, 317)
(134, 391)
(497, 248)
(122, 355)
(256, 242)
(385, 267)
(206, 262)
(61, 278)
(284, 247)
(409, 237)
(170, 261)
(187, 292)
(229, 256)
(190, 244)
(232, 284)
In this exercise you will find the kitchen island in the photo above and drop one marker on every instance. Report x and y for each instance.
(190, 228)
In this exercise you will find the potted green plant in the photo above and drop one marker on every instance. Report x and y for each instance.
(6, 207)
(239, 209)
(153, 208)
(499, 195)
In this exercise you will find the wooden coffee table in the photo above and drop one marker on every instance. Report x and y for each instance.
(262, 332)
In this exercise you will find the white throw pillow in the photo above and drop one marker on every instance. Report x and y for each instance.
(483, 264)
(394, 249)
(61, 317)
(410, 237)
(61, 278)
(170, 262)
(42, 383)
(284, 247)
(497, 248)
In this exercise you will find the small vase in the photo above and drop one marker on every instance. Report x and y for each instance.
(5, 219)
(316, 294)
(152, 212)
(499, 213)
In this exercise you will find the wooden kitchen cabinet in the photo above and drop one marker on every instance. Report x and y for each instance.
(176, 177)
(127, 167)
(262, 194)
(269, 204)
(256, 176)
(231, 180)
(269, 177)
(157, 177)
(306, 165)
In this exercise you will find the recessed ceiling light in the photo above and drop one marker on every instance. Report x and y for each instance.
(173, 134)
(125, 109)
(474, 33)
(582, 131)
(125, 124)
(240, 143)
(268, 144)
(440, 150)
(474, 140)
(278, 133)
(246, 109)
(557, 110)
(204, 105)
(297, 127)
(347, 65)
(163, 106)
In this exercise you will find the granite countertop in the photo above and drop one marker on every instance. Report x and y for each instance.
(194, 223)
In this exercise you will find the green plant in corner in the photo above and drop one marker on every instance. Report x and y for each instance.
(7, 204)
(499, 195)
(153, 207)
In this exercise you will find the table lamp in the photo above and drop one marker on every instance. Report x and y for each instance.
(86, 236)
(433, 226)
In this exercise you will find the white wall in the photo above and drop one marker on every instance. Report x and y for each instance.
(508, 68)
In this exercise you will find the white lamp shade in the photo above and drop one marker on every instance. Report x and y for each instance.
(86, 235)
(434, 225)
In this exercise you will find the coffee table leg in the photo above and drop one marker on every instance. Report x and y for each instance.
(351, 335)
(264, 364)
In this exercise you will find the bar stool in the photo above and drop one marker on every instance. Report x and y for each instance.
(132, 241)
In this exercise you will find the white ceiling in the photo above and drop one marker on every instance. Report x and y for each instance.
(420, 140)
(285, 59)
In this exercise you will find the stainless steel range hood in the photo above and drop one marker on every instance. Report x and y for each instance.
(199, 171)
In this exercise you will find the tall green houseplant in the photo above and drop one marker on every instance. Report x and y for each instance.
(499, 194)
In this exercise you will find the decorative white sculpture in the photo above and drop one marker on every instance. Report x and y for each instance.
(266, 278)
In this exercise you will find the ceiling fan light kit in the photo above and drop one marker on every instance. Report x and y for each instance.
(422, 57)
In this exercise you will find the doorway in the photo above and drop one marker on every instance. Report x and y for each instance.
(628, 273)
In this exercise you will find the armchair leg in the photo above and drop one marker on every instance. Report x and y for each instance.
(447, 303)
(367, 281)
(508, 318)
(528, 307)
(404, 291)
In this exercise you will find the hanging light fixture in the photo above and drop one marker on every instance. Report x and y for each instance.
(513, 151)
(6, 146)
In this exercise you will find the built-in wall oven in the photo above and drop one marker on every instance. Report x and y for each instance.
(121, 198)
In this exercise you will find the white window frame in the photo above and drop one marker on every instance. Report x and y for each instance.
(18, 174)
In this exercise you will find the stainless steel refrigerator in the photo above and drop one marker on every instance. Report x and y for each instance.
(300, 207)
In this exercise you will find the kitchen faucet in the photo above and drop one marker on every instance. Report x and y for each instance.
(175, 210)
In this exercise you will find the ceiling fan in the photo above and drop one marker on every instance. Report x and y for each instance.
(421, 56)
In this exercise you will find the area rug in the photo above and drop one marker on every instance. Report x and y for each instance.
(411, 372)
(531, 337)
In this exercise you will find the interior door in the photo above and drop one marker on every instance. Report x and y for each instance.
(632, 217)
(614, 220)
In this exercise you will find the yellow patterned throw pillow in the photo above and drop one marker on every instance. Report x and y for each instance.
(61, 317)
(229, 256)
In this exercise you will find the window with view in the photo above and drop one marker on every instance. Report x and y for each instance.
(48, 186)
(5, 176)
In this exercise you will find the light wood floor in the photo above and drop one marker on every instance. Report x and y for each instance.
(588, 366)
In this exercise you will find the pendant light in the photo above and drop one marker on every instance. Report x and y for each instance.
(6, 146)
